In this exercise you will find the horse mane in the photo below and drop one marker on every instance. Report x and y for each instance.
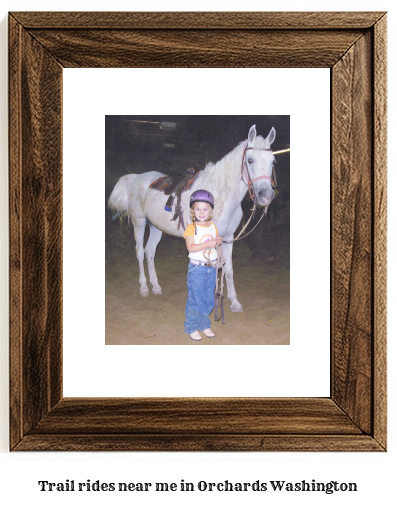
(225, 174)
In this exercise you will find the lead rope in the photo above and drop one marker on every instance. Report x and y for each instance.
(219, 265)
(219, 297)
(264, 212)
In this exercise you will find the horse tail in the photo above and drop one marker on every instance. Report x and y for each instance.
(121, 194)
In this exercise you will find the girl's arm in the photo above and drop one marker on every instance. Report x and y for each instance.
(192, 248)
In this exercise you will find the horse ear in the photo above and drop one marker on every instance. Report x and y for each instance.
(272, 136)
(251, 136)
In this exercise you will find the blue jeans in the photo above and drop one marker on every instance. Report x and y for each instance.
(201, 282)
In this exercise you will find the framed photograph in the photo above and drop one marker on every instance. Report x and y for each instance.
(353, 47)
(187, 153)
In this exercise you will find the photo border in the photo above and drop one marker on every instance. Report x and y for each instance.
(353, 46)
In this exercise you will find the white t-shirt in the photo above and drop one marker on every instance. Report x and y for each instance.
(201, 234)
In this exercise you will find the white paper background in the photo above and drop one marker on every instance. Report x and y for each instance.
(93, 369)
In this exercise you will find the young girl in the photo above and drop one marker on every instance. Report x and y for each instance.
(201, 238)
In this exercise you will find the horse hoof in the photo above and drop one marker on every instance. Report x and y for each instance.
(157, 292)
(236, 307)
(144, 293)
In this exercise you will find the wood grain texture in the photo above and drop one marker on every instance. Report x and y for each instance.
(36, 231)
(199, 443)
(196, 48)
(380, 228)
(352, 255)
(15, 227)
(353, 45)
(229, 416)
(203, 20)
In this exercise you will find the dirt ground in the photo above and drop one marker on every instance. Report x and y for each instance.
(261, 277)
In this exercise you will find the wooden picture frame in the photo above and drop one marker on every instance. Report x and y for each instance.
(353, 46)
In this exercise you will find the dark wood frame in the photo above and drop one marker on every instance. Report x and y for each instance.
(353, 46)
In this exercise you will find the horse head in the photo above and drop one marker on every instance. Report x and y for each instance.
(257, 166)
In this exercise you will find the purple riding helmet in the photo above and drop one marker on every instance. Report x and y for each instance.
(202, 196)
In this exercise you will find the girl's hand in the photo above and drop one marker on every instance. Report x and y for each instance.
(211, 243)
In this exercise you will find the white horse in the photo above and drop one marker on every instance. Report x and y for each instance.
(226, 180)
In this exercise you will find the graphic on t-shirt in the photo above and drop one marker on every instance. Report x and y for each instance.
(201, 234)
(205, 238)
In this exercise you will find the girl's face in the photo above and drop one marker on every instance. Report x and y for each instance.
(202, 211)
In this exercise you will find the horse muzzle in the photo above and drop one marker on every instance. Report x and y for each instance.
(265, 197)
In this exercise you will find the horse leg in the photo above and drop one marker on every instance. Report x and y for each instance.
(139, 232)
(150, 251)
(231, 292)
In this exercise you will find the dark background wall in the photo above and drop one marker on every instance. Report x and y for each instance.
(136, 144)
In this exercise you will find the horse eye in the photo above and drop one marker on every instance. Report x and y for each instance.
(250, 161)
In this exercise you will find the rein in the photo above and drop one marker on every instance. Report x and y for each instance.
(250, 184)
(219, 297)
(264, 212)
(219, 312)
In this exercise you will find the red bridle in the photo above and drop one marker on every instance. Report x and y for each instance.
(245, 172)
